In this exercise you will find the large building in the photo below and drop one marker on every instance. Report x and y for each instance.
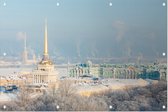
(45, 72)
(84, 69)
(121, 71)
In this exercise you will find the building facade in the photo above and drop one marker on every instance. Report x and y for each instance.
(45, 72)
(122, 71)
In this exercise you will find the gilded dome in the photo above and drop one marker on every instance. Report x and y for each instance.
(46, 62)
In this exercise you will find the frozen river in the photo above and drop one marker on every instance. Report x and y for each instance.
(7, 71)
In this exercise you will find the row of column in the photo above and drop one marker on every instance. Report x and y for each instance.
(126, 74)
(81, 72)
(40, 78)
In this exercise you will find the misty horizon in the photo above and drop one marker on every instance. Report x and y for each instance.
(85, 28)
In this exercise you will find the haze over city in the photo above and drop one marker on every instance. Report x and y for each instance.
(83, 55)
(85, 28)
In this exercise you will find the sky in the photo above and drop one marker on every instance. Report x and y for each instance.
(85, 28)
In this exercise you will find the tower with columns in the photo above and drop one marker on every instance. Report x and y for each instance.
(45, 72)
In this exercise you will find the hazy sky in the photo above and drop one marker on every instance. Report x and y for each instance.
(86, 28)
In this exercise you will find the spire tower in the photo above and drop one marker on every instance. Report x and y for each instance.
(24, 58)
(45, 60)
(45, 72)
(45, 41)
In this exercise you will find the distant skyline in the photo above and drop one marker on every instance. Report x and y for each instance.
(85, 28)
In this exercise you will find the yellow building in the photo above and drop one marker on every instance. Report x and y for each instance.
(45, 72)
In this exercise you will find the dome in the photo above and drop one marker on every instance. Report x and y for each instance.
(46, 62)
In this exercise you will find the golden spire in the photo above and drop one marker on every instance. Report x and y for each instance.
(45, 60)
(45, 40)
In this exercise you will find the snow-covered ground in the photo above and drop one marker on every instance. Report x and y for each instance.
(87, 89)
(12, 96)
(12, 73)
(83, 88)
(7, 96)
